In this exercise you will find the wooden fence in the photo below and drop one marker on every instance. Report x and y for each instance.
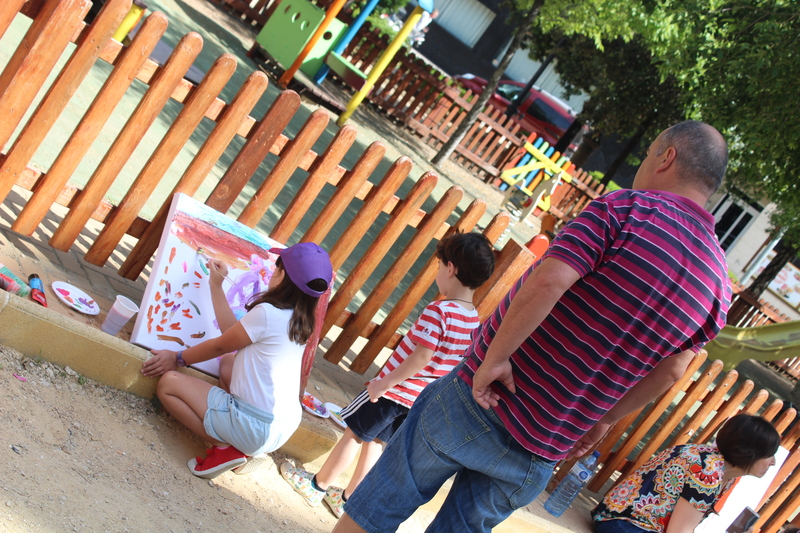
(691, 412)
(57, 22)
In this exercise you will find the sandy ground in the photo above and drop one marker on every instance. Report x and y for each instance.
(80, 456)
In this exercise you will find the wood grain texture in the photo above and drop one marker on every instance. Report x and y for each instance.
(350, 184)
(258, 145)
(91, 124)
(325, 166)
(379, 199)
(377, 250)
(34, 59)
(213, 147)
(289, 162)
(58, 95)
(146, 112)
(158, 164)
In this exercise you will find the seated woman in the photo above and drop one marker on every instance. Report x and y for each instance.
(675, 489)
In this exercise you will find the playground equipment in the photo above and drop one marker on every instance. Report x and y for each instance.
(763, 343)
(383, 62)
(334, 60)
(537, 174)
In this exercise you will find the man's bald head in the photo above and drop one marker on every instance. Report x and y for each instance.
(702, 154)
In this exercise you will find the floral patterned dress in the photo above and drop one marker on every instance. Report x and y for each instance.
(647, 497)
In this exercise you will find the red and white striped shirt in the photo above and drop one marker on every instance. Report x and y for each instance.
(445, 327)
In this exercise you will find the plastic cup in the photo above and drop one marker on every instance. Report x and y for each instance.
(119, 314)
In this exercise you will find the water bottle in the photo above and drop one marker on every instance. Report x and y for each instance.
(571, 485)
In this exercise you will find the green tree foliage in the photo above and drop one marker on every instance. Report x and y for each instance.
(739, 65)
(627, 94)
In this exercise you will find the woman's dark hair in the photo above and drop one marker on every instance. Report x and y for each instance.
(287, 295)
(745, 439)
(472, 255)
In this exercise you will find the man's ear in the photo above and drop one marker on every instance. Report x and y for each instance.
(666, 159)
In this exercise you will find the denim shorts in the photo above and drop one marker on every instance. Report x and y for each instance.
(247, 428)
(374, 421)
(447, 433)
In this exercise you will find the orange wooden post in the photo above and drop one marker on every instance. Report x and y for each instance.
(126, 142)
(284, 168)
(330, 14)
(346, 190)
(406, 210)
(381, 198)
(259, 143)
(538, 245)
(326, 166)
(157, 166)
(91, 124)
(31, 63)
(59, 94)
(198, 169)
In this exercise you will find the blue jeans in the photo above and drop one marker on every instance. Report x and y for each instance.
(448, 433)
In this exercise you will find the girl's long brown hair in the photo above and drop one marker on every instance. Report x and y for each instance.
(287, 295)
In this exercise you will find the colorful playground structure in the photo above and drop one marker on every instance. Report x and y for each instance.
(773, 342)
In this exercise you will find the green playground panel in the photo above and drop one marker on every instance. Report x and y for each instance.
(288, 29)
(329, 38)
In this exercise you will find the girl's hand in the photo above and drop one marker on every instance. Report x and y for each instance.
(217, 272)
(376, 389)
(159, 363)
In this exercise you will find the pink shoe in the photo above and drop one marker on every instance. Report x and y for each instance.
(216, 462)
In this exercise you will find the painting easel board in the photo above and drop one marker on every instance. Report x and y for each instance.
(176, 310)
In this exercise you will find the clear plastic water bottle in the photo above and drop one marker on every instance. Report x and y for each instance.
(571, 485)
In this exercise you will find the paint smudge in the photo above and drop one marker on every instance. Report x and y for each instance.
(162, 282)
(168, 289)
(198, 335)
(171, 339)
(176, 326)
(185, 267)
(172, 254)
(196, 285)
(166, 269)
(187, 313)
(196, 309)
(158, 296)
(159, 328)
(196, 273)
(178, 294)
(185, 285)
(203, 268)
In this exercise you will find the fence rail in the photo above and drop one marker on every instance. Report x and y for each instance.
(58, 22)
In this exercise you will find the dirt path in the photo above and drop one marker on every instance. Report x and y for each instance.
(80, 456)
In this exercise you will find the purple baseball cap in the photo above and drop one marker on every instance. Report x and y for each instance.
(304, 263)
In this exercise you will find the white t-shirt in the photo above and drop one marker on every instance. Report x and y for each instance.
(266, 374)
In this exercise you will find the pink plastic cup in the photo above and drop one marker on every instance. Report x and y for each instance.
(119, 314)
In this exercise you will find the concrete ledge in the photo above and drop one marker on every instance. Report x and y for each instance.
(40, 332)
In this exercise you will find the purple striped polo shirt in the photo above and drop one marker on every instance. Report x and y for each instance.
(653, 284)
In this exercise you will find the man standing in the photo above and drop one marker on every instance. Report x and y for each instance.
(603, 324)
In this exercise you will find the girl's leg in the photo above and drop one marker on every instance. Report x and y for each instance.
(186, 398)
(226, 371)
(340, 458)
(370, 453)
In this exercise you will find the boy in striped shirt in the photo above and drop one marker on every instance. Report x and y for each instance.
(431, 349)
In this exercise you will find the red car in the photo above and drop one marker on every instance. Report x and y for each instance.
(540, 113)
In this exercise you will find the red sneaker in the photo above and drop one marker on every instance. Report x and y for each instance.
(216, 462)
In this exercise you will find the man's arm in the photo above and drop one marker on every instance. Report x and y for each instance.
(647, 389)
(531, 305)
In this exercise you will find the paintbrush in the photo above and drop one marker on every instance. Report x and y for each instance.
(207, 260)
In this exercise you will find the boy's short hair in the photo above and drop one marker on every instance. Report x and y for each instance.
(471, 253)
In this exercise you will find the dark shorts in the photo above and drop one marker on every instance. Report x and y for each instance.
(617, 526)
(374, 421)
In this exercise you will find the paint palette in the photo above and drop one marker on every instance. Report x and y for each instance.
(75, 298)
(314, 406)
(336, 414)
